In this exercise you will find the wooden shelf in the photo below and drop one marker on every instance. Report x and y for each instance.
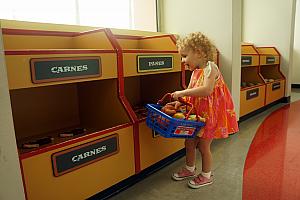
(144, 55)
(268, 55)
(37, 58)
(253, 87)
(249, 56)
(152, 68)
(53, 109)
(270, 71)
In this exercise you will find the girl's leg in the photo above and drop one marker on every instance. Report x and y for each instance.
(204, 178)
(204, 148)
(190, 148)
(190, 158)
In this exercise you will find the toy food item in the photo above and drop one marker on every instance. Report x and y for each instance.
(193, 117)
(169, 109)
(179, 115)
(38, 142)
(30, 146)
(249, 84)
(202, 119)
(73, 132)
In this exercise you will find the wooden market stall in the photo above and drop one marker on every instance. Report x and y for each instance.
(253, 88)
(151, 68)
(72, 130)
(270, 71)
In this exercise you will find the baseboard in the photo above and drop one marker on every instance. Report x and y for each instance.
(295, 85)
(286, 99)
(260, 110)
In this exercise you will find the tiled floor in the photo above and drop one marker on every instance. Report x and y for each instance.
(272, 164)
(229, 157)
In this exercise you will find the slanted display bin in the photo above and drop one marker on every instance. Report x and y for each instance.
(252, 96)
(74, 137)
(270, 71)
(152, 68)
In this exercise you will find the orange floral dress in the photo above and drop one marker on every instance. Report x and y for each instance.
(217, 108)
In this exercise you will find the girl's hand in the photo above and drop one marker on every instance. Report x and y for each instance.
(177, 94)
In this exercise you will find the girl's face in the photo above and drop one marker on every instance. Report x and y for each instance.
(192, 59)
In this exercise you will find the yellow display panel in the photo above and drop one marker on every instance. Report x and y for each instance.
(19, 74)
(249, 55)
(248, 49)
(252, 99)
(40, 182)
(154, 149)
(275, 91)
(269, 60)
(268, 55)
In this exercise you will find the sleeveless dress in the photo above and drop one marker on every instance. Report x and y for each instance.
(217, 108)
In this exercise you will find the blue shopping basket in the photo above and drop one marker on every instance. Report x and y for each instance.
(170, 127)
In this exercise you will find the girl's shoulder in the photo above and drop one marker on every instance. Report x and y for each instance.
(211, 66)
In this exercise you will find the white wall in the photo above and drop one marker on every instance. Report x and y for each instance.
(144, 15)
(11, 186)
(220, 21)
(296, 56)
(271, 23)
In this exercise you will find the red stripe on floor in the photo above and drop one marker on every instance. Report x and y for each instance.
(272, 167)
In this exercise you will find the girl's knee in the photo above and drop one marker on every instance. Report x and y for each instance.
(204, 146)
(204, 149)
(190, 144)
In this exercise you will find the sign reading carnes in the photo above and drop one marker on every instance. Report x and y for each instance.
(79, 156)
(58, 69)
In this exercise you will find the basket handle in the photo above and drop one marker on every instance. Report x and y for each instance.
(181, 100)
(168, 95)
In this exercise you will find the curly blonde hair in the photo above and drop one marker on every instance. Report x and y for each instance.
(196, 42)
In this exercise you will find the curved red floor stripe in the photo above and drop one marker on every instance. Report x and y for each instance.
(272, 167)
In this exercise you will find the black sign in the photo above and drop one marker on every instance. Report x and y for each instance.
(246, 60)
(154, 63)
(57, 69)
(270, 59)
(252, 93)
(276, 86)
(79, 156)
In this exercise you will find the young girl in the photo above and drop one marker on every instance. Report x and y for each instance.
(211, 98)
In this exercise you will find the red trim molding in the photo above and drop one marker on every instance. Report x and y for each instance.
(252, 87)
(136, 37)
(8, 31)
(146, 51)
(56, 51)
(91, 32)
(129, 37)
(156, 36)
(125, 101)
